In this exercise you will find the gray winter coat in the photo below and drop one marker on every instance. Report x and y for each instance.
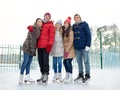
(30, 43)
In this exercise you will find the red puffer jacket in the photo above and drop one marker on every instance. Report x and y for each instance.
(46, 35)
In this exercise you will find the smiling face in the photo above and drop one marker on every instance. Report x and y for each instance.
(39, 22)
(47, 17)
(58, 26)
(77, 18)
(66, 25)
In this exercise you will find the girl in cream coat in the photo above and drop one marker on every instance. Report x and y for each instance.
(69, 53)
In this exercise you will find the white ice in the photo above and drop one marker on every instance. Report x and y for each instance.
(106, 79)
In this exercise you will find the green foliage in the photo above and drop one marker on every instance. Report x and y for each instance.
(110, 37)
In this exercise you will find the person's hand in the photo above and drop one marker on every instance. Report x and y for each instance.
(48, 49)
(87, 48)
(66, 54)
(30, 28)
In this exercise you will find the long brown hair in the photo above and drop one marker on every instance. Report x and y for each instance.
(66, 32)
(35, 24)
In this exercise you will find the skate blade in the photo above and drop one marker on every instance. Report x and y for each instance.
(29, 82)
(68, 82)
(57, 81)
(60, 80)
(20, 83)
(39, 82)
(45, 83)
(86, 81)
(78, 81)
(54, 81)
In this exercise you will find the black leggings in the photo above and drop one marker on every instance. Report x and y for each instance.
(68, 65)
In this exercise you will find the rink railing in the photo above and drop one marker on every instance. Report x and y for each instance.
(11, 57)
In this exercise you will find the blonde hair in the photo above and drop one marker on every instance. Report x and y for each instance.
(60, 30)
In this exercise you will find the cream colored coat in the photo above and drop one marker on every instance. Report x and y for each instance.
(68, 45)
(57, 49)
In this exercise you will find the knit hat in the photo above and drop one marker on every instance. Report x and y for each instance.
(59, 22)
(47, 13)
(68, 20)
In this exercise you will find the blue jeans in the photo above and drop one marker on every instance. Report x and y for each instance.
(57, 64)
(68, 65)
(26, 63)
(80, 55)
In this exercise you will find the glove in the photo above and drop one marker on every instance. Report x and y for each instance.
(48, 49)
(30, 28)
(66, 54)
(87, 48)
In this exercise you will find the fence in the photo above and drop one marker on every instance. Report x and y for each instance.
(11, 58)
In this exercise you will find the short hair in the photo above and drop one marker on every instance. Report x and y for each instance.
(76, 15)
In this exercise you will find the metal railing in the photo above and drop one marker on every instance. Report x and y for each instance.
(11, 57)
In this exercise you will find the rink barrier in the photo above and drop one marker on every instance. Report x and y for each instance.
(11, 57)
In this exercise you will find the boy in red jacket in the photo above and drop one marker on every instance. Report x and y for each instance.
(44, 45)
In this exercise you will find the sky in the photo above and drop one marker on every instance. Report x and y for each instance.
(16, 15)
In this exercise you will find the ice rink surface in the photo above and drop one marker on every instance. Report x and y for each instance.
(106, 79)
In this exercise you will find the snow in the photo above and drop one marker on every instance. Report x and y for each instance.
(106, 79)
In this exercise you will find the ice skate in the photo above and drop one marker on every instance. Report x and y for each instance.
(40, 80)
(66, 77)
(59, 77)
(28, 79)
(54, 78)
(86, 79)
(20, 79)
(70, 78)
(45, 79)
(79, 78)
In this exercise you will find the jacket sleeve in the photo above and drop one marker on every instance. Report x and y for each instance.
(70, 43)
(88, 35)
(30, 28)
(51, 35)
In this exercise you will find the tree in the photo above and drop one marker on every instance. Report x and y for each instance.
(110, 37)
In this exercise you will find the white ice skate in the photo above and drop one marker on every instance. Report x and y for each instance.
(70, 78)
(20, 79)
(54, 78)
(59, 77)
(66, 77)
(28, 79)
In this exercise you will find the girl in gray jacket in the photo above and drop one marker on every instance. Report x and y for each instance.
(29, 50)
(57, 52)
